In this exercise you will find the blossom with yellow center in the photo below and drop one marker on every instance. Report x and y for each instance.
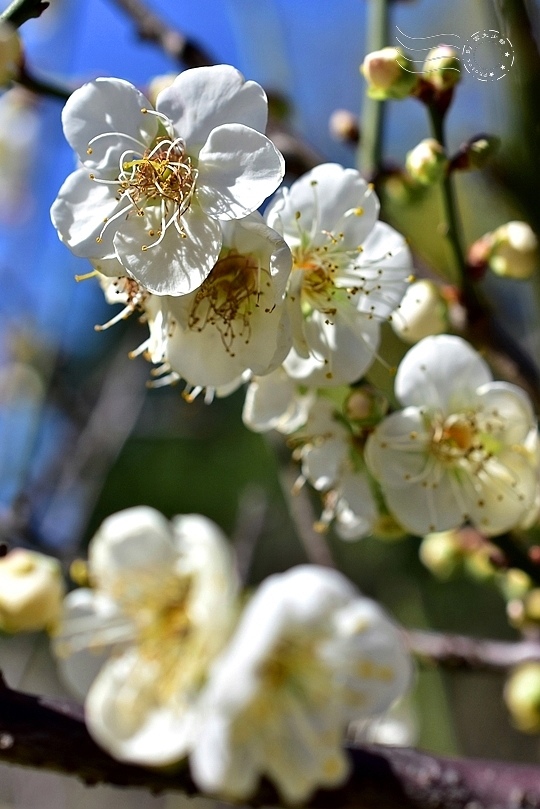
(461, 450)
(140, 642)
(349, 273)
(155, 184)
(310, 655)
(236, 322)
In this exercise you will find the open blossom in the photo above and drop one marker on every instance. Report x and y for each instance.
(154, 185)
(310, 655)
(461, 449)
(161, 607)
(349, 273)
(236, 321)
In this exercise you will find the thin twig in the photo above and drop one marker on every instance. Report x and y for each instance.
(20, 11)
(461, 651)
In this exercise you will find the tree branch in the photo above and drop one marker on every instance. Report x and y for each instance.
(50, 734)
(461, 651)
(20, 11)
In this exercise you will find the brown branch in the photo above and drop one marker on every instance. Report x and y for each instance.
(471, 653)
(299, 156)
(174, 43)
(50, 734)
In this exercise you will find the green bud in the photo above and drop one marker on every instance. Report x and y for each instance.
(441, 553)
(522, 697)
(427, 162)
(389, 74)
(442, 68)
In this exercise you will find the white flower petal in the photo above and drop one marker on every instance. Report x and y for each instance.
(512, 414)
(238, 169)
(124, 715)
(274, 403)
(327, 198)
(342, 351)
(116, 109)
(176, 265)
(78, 214)
(397, 451)
(203, 98)
(422, 509)
(428, 372)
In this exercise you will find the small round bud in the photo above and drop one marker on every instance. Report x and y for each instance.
(514, 252)
(365, 405)
(481, 149)
(31, 591)
(522, 697)
(515, 583)
(442, 553)
(427, 162)
(343, 126)
(159, 83)
(422, 311)
(442, 68)
(389, 74)
(11, 53)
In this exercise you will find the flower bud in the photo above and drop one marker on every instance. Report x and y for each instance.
(442, 68)
(365, 405)
(31, 591)
(427, 162)
(481, 149)
(514, 252)
(343, 126)
(522, 697)
(389, 74)
(159, 83)
(10, 53)
(422, 311)
(442, 553)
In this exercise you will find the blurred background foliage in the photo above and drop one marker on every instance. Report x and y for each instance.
(81, 437)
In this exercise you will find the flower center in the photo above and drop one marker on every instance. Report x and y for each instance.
(164, 177)
(163, 174)
(455, 438)
(228, 298)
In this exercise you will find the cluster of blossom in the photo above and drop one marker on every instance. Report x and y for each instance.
(164, 206)
(170, 663)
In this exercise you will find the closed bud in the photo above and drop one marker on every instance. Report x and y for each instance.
(522, 697)
(31, 591)
(389, 74)
(343, 126)
(159, 83)
(514, 251)
(481, 149)
(442, 68)
(422, 311)
(427, 163)
(365, 405)
(442, 553)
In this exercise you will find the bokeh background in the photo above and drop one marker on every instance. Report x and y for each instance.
(82, 437)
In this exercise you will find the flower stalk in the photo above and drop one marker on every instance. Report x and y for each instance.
(373, 111)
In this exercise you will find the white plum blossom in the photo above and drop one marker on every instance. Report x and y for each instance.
(333, 465)
(275, 402)
(154, 185)
(323, 444)
(310, 655)
(460, 450)
(349, 273)
(236, 322)
(162, 606)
